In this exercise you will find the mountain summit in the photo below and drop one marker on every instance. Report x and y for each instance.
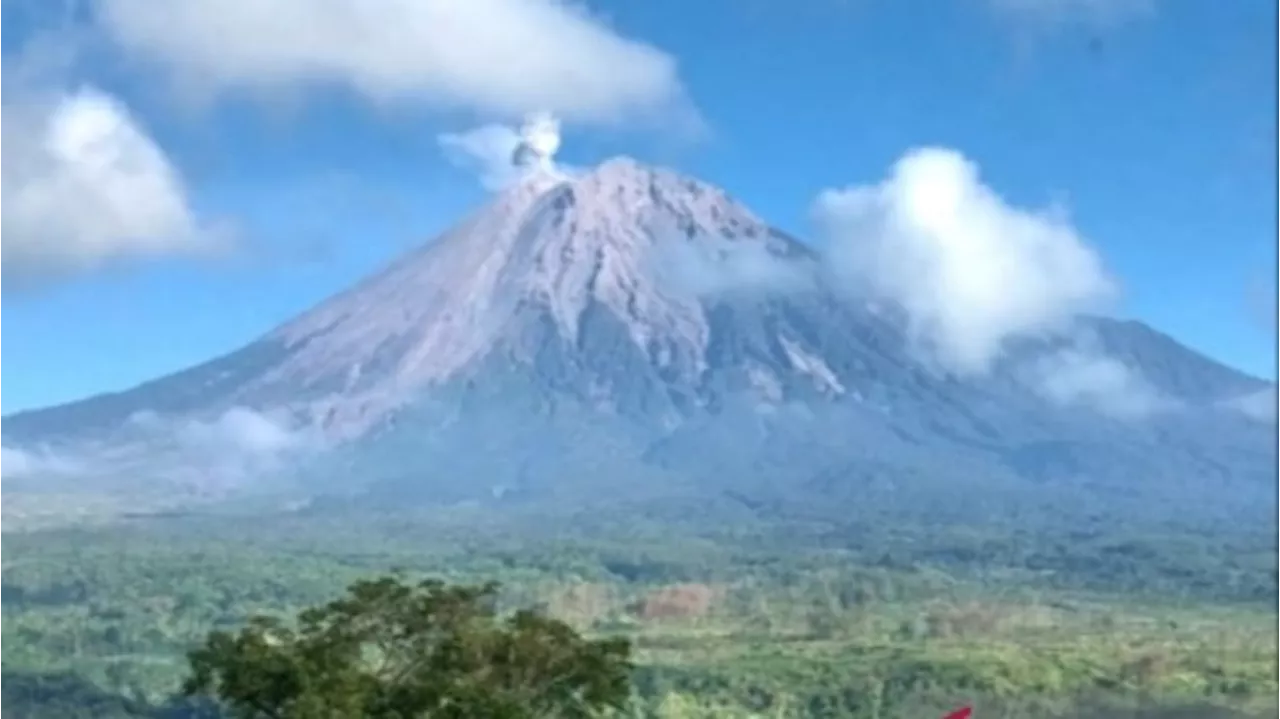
(631, 332)
(547, 249)
(637, 247)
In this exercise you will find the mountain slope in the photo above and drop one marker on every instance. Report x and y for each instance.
(632, 334)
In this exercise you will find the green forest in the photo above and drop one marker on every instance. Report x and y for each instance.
(875, 618)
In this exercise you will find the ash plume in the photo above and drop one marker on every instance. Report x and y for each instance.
(539, 141)
(501, 155)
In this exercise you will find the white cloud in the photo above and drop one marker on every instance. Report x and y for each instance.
(1260, 405)
(970, 270)
(18, 463)
(539, 141)
(240, 430)
(84, 185)
(235, 434)
(500, 155)
(230, 447)
(221, 451)
(1079, 378)
(500, 57)
(714, 266)
(486, 151)
(1093, 13)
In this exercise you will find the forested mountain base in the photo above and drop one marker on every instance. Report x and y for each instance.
(874, 620)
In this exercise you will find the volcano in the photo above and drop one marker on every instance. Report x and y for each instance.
(632, 334)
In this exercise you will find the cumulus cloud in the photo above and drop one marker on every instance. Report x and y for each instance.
(970, 270)
(501, 155)
(83, 185)
(1093, 13)
(1075, 377)
(498, 57)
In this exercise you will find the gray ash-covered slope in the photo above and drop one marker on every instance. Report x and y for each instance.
(550, 266)
(632, 333)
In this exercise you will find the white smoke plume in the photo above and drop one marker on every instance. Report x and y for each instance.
(539, 142)
(501, 155)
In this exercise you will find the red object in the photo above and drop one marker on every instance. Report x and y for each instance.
(962, 713)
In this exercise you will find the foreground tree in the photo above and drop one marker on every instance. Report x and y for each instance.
(391, 650)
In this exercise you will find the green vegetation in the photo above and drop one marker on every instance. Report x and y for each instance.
(390, 650)
(878, 619)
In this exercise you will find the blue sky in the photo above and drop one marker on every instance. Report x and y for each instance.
(271, 173)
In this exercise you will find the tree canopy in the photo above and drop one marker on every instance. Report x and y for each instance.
(394, 650)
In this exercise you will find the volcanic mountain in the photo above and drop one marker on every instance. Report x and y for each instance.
(630, 334)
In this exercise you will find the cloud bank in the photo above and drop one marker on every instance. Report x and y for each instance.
(504, 58)
(970, 270)
(83, 185)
